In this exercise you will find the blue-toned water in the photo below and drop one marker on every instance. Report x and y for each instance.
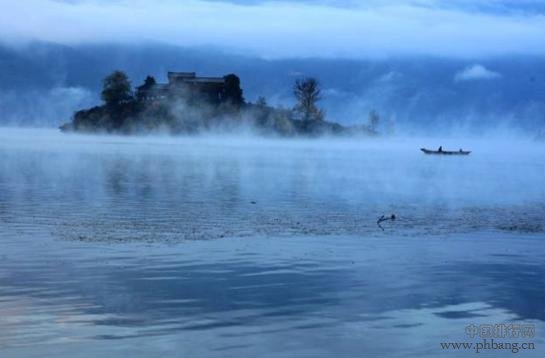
(217, 247)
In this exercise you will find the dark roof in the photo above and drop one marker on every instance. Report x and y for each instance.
(160, 87)
(206, 79)
(191, 77)
(182, 74)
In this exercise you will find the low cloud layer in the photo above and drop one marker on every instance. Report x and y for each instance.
(476, 72)
(279, 29)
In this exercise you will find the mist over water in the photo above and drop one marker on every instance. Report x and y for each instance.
(249, 238)
(213, 186)
(220, 245)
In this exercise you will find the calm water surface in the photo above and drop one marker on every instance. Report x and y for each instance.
(216, 247)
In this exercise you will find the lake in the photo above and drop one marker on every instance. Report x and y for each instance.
(220, 246)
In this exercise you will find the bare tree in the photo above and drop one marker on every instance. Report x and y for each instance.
(374, 121)
(308, 93)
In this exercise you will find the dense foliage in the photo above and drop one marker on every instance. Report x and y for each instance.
(153, 108)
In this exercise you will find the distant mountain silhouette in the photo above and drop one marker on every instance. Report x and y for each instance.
(45, 83)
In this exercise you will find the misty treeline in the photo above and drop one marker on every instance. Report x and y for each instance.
(214, 104)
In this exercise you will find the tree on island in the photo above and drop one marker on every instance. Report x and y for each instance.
(308, 92)
(116, 90)
(208, 102)
(232, 92)
(142, 91)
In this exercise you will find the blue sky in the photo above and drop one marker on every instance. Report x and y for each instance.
(290, 29)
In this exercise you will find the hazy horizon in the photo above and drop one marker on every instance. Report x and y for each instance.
(46, 83)
(425, 65)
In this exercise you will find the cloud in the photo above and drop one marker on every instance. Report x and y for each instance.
(280, 29)
(476, 72)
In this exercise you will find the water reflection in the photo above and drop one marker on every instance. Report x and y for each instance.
(234, 289)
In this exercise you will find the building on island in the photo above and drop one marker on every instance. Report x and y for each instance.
(188, 86)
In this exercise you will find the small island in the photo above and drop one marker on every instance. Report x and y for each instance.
(190, 104)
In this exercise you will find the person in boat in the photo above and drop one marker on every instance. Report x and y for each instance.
(440, 149)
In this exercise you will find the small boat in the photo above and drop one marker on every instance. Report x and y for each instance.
(445, 152)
